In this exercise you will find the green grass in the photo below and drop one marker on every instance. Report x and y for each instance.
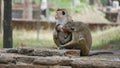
(107, 39)
(29, 38)
(1, 40)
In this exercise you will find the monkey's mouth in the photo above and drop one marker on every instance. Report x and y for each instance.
(72, 28)
(56, 17)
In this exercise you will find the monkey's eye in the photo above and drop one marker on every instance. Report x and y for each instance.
(72, 28)
(63, 12)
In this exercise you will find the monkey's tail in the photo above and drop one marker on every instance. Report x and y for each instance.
(98, 53)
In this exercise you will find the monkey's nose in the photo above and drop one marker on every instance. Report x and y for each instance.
(72, 28)
(56, 17)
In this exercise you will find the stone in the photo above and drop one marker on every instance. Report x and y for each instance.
(47, 52)
(44, 52)
(12, 50)
(26, 51)
(25, 59)
(31, 66)
(46, 61)
(60, 67)
(7, 60)
(55, 52)
(66, 59)
(62, 61)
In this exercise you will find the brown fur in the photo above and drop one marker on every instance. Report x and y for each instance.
(59, 37)
(80, 33)
(81, 37)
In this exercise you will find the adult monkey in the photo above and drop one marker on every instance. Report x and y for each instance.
(81, 37)
(71, 35)
(61, 36)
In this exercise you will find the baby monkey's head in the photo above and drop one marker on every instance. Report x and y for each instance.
(69, 26)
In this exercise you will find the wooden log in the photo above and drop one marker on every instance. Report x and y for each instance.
(7, 60)
(30, 66)
(62, 61)
(44, 52)
(56, 52)
(95, 61)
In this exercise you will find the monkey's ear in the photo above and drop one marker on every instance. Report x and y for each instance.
(63, 12)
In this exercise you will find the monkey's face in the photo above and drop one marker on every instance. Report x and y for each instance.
(69, 26)
(59, 15)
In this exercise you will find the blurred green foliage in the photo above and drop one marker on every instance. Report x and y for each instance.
(105, 2)
(16, 1)
(107, 39)
(62, 4)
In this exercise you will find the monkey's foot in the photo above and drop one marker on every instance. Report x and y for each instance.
(59, 47)
(82, 40)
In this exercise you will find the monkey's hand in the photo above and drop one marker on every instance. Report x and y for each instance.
(60, 28)
(64, 29)
(82, 40)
